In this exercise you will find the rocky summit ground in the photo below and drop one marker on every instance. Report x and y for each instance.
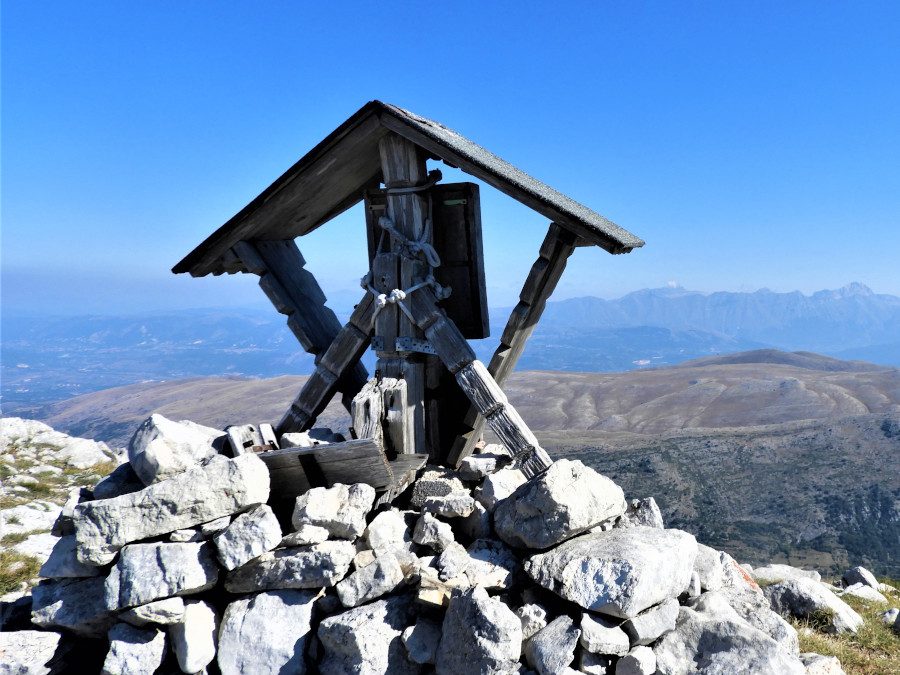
(174, 562)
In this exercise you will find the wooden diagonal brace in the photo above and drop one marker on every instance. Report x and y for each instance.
(542, 279)
(474, 379)
(294, 292)
(343, 353)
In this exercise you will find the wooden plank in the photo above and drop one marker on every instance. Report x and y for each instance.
(405, 469)
(356, 461)
(385, 278)
(542, 279)
(367, 412)
(397, 415)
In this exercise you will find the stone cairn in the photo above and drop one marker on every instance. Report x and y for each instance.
(175, 563)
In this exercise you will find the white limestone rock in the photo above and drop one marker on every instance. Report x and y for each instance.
(213, 527)
(859, 575)
(321, 565)
(340, 509)
(453, 505)
(713, 639)
(148, 572)
(889, 617)
(533, 617)
(430, 531)
(306, 535)
(639, 661)
(775, 573)
(753, 607)
(477, 525)
(370, 582)
(642, 512)
(29, 652)
(498, 486)
(481, 635)
(596, 664)
(64, 563)
(367, 640)
(195, 637)
(122, 481)
(434, 481)
(161, 448)
(566, 500)
(552, 649)
(391, 531)
(803, 597)
(714, 568)
(203, 493)
(816, 664)
(603, 637)
(75, 604)
(491, 564)
(266, 633)
(864, 592)
(163, 612)
(621, 572)
(652, 623)
(134, 651)
(64, 523)
(476, 467)
(422, 641)
(250, 535)
(185, 536)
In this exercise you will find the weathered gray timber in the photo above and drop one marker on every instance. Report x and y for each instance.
(357, 461)
(539, 285)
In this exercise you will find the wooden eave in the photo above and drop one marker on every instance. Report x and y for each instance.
(333, 176)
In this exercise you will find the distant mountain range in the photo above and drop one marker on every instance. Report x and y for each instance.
(46, 359)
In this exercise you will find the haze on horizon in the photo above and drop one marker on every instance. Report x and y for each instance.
(750, 146)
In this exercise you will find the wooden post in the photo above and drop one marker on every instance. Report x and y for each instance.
(542, 279)
(402, 166)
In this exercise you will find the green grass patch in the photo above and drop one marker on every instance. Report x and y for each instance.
(17, 537)
(15, 568)
(875, 650)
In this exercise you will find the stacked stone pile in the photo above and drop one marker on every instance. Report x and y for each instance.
(175, 563)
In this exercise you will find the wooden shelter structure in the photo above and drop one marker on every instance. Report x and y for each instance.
(423, 295)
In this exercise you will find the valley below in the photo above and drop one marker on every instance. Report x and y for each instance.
(770, 455)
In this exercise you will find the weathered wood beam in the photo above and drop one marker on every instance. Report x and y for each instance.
(342, 354)
(356, 461)
(294, 292)
(474, 379)
(545, 273)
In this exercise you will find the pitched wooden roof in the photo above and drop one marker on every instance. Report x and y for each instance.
(333, 176)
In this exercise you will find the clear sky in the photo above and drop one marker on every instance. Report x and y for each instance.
(751, 144)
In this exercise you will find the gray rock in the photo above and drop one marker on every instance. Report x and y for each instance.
(122, 481)
(896, 627)
(596, 664)
(422, 641)
(805, 598)
(775, 573)
(65, 524)
(753, 607)
(533, 617)
(714, 640)
(859, 575)
(250, 535)
(64, 563)
(75, 604)
(453, 505)
(491, 564)
(566, 500)
(391, 531)
(601, 636)
(430, 531)
(476, 467)
(30, 652)
(148, 572)
(316, 566)
(552, 649)
(161, 448)
(163, 612)
(134, 651)
(652, 623)
(621, 572)
(889, 617)
(434, 482)
(639, 661)
(864, 592)
(709, 568)
(306, 535)
(213, 527)
(498, 486)
(340, 509)
(816, 664)
(185, 536)
(221, 487)
(367, 640)
(642, 512)
(477, 525)
(194, 638)
(266, 633)
(453, 563)
(480, 635)
(371, 582)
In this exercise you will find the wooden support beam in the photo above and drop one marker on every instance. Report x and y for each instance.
(474, 379)
(294, 292)
(539, 285)
(343, 353)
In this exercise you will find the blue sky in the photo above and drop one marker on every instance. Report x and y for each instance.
(750, 144)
